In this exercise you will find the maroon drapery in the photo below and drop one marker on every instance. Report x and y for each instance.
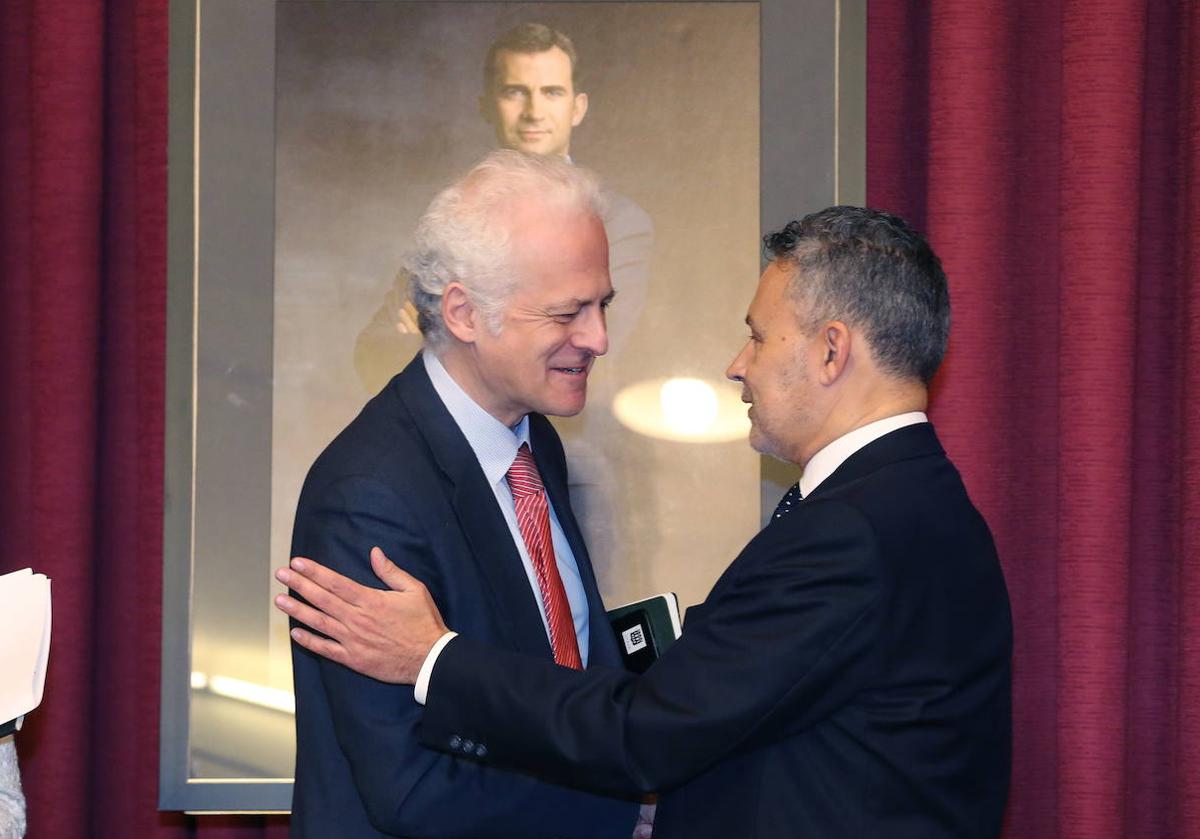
(1051, 149)
(82, 250)
(83, 264)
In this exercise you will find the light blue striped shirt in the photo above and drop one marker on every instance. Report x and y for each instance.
(495, 446)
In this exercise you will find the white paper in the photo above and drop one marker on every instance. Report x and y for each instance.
(24, 641)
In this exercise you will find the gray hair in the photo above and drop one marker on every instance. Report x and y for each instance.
(464, 236)
(870, 269)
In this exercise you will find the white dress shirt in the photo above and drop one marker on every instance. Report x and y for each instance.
(825, 462)
(495, 446)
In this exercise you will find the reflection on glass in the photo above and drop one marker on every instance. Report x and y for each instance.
(683, 409)
(372, 118)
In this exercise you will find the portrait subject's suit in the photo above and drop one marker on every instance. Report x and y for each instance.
(403, 477)
(848, 676)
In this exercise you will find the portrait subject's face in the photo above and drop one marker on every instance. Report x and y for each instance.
(774, 373)
(553, 326)
(533, 105)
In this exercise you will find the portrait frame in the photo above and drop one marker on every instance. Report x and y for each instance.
(811, 151)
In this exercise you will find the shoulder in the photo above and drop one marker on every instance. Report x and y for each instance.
(380, 448)
(623, 217)
(820, 539)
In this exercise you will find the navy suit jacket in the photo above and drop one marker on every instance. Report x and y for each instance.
(403, 477)
(848, 676)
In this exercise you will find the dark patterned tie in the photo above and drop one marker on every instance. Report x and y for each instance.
(533, 518)
(789, 501)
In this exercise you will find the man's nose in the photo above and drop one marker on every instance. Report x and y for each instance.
(592, 332)
(737, 368)
(533, 108)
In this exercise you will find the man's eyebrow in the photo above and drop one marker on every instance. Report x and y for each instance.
(579, 302)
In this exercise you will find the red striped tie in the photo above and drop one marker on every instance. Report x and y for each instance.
(533, 517)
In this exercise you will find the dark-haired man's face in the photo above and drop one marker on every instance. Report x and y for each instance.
(776, 369)
(533, 104)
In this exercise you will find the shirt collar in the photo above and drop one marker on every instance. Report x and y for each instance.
(494, 443)
(825, 462)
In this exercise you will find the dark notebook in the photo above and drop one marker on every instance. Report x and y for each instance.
(645, 629)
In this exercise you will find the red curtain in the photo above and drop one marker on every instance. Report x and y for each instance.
(1050, 149)
(83, 104)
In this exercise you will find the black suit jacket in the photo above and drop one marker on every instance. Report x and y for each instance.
(402, 476)
(848, 676)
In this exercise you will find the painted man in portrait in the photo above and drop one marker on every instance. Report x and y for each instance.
(532, 97)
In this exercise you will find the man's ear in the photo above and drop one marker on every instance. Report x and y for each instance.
(459, 314)
(581, 106)
(836, 345)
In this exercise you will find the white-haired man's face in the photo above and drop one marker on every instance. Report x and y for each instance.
(533, 105)
(552, 326)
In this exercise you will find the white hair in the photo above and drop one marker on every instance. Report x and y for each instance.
(464, 236)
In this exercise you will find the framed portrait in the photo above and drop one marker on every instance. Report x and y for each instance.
(307, 137)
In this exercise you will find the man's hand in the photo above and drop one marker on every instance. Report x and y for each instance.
(382, 634)
(407, 319)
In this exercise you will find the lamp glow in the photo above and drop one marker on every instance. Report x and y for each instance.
(683, 409)
(689, 406)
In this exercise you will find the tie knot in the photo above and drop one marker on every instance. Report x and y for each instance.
(523, 476)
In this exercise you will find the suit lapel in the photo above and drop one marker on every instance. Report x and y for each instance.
(478, 515)
(602, 646)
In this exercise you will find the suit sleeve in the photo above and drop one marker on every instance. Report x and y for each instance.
(406, 788)
(785, 639)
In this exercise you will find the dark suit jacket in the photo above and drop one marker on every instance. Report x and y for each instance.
(848, 676)
(402, 476)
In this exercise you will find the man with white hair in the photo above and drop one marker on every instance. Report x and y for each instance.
(455, 470)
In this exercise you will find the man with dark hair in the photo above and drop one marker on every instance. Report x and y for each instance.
(531, 94)
(849, 674)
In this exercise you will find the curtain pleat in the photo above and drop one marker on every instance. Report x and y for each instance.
(1185, 479)
(65, 206)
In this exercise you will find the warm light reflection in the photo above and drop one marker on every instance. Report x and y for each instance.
(686, 410)
(255, 694)
(689, 406)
